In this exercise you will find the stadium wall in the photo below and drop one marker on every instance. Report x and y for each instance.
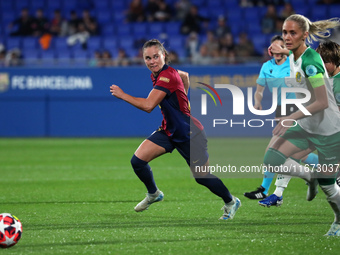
(77, 102)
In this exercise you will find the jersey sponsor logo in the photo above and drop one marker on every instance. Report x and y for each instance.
(298, 77)
(311, 70)
(164, 79)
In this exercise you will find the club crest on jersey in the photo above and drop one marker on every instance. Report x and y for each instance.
(311, 70)
(298, 77)
(164, 79)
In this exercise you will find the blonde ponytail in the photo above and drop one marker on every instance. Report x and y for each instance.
(317, 30)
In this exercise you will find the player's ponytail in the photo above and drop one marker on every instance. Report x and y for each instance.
(317, 30)
(155, 42)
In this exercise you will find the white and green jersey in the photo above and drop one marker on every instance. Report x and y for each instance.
(336, 87)
(309, 72)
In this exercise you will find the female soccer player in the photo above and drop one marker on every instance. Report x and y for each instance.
(179, 130)
(321, 129)
(330, 54)
(272, 75)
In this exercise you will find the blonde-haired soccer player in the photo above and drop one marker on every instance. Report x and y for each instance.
(321, 129)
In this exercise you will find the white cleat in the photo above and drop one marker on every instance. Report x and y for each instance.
(312, 189)
(230, 209)
(334, 230)
(148, 200)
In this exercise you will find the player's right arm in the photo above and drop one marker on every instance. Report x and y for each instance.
(144, 104)
(276, 48)
(258, 97)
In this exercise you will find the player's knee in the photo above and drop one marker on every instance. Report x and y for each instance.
(274, 158)
(137, 163)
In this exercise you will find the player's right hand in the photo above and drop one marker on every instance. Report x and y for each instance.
(116, 91)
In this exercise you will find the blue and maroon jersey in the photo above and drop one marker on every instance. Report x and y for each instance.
(175, 106)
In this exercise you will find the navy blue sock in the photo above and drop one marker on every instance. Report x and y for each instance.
(216, 186)
(144, 173)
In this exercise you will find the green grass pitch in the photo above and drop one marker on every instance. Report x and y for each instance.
(76, 196)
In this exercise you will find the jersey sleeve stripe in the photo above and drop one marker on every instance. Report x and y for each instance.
(162, 89)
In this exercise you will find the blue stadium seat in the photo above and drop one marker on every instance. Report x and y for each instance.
(262, 10)
(47, 58)
(204, 12)
(253, 29)
(6, 5)
(19, 4)
(237, 28)
(319, 12)
(13, 42)
(216, 4)
(302, 10)
(107, 30)
(70, 4)
(199, 3)
(102, 4)
(118, 17)
(181, 52)
(251, 15)
(123, 30)
(334, 11)
(94, 43)
(80, 54)
(6, 11)
(139, 29)
(29, 43)
(110, 42)
(176, 42)
(216, 12)
(260, 43)
(103, 16)
(36, 4)
(60, 43)
(32, 55)
(47, 54)
(231, 4)
(299, 4)
(234, 16)
(63, 54)
(80, 62)
(172, 28)
(119, 5)
(53, 5)
(126, 42)
(8, 17)
(131, 52)
(156, 28)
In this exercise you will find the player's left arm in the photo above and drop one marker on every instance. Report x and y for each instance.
(185, 78)
(320, 103)
(316, 79)
(144, 104)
